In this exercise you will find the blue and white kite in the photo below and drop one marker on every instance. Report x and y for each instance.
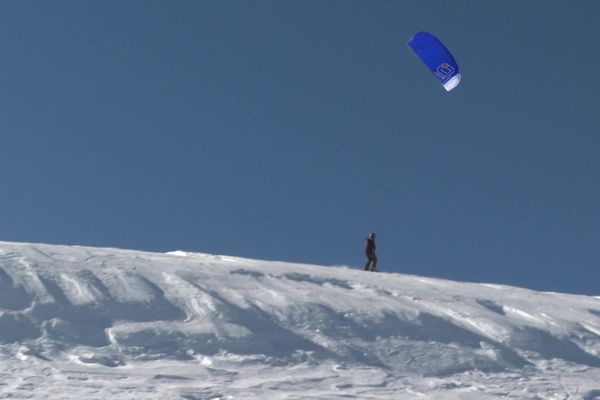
(437, 57)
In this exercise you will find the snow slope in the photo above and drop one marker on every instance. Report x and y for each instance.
(79, 322)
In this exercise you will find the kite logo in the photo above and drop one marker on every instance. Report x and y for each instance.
(445, 71)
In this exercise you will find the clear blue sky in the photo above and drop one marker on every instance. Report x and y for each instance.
(290, 129)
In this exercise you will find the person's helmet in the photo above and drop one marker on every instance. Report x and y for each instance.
(372, 235)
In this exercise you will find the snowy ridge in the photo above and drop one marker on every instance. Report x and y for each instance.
(79, 322)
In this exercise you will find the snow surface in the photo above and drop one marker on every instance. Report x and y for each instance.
(88, 323)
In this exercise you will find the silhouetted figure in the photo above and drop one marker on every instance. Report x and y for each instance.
(370, 253)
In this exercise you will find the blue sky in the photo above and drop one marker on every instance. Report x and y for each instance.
(290, 129)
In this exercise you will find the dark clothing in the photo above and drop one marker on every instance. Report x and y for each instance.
(369, 246)
(370, 253)
(371, 262)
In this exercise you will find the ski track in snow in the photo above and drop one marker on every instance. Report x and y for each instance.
(78, 322)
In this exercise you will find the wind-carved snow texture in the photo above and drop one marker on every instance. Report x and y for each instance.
(89, 323)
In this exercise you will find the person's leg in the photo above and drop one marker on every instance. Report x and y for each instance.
(373, 262)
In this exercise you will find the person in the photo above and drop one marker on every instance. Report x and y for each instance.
(370, 253)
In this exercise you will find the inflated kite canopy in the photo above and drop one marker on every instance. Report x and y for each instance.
(437, 58)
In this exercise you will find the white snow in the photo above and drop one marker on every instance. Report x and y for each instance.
(89, 323)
